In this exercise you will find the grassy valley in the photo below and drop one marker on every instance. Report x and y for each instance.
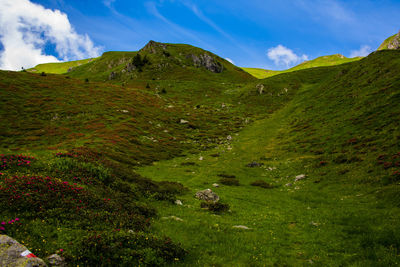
(307, 161)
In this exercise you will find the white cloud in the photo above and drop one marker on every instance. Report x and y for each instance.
(25, 30)
(283, 56)
(230, 60)
(364, 51)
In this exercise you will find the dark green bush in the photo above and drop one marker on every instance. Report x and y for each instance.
(262, 184)
(229, 181)
(215, 207)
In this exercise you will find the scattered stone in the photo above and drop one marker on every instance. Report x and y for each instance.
(13, 253)
(215, 185)
(178, 202)
(260, 88)
(182, 121)
(299, 177)
(314, 224)
(172, 218)
(207, 195)
(56, 260)
(200, 158)
(288, 184)
(229, 138)
(254, 164)
(241, 227)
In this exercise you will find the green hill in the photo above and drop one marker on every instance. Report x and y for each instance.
(393, 42)
(59, 68)
(307, 161)
(158, 61)
(331, 60)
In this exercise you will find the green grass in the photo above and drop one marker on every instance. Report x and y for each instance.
(338, 125)
(59, 68)
(334, 217)
(323, 61)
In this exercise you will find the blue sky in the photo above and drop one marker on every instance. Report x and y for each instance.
(253, 33)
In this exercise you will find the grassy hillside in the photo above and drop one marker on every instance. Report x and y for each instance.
(59, 68)
(86, 157)
(331, 60)
(158, 61)
(339, 130)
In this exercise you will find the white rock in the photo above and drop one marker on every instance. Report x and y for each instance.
(178, 202)
(215, 185)
(241, 227)
(299, 177)
(201, 158)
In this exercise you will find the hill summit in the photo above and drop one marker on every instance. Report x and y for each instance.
(393, 42)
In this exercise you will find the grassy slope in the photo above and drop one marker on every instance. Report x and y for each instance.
(172, 63)
(343, 115)
(318, 62)
(333, 129)
(59, 68)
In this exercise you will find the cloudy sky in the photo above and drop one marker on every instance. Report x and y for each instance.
(257, 33)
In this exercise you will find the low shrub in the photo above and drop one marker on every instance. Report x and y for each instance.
(214, 207)
(12, 161)
(229, 181)
(262, 184)
(123, 248)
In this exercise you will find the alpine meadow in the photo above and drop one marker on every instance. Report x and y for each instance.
(173, 156)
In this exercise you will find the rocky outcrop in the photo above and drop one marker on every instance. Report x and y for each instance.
(207, 195)
(206, 61)
(153, 47)
(395, 42)
(13, 253)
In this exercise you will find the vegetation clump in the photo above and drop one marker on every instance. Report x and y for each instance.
(262, 184)
(229, 181)
(216, 207)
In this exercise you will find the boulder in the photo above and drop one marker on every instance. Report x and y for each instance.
(241, 227)
(254, 164)
(56, 260)
(299, 177)
(13, 253)
(207, 195)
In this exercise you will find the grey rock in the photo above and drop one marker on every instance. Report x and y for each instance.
(395, 43)
(254, 164)
(172, 218)
(241, 227)
(56, 260)
(260, 88)
(299, 177)
(207, 195)
(11, 254)
(215, 185)
(112, 75)
(206, 61)
(288, 184)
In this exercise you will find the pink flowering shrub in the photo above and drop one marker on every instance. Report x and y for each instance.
(9, 161)
(39, 193)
